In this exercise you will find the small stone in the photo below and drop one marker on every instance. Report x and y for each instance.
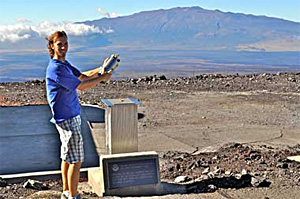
(262, 162)
(292, 79)
(177, 166)
(192, 165)
(211, 175)
(34, 184)
(3, 183)
(162, 77)
(238, 176)
(228, 172)
(259, 182)
(217, 171)
(181, 179)
(211, 188)
(170, 168)
(244, 172)
(215, 157)
(206, 170)
(283, 165)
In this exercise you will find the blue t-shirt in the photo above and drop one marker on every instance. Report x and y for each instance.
(61, 83)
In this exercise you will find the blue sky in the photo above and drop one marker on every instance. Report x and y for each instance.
(36, 11)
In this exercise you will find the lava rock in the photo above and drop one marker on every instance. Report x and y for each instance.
(33, 184)
(257, 181)
(3, 183)
(181, 179)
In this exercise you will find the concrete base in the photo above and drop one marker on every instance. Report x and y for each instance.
(95, 177)
(95, 180)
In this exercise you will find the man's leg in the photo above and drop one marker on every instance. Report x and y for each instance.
(64, 175)
(71, 151)
(73, 178)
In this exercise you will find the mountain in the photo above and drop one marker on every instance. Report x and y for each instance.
(197, 28)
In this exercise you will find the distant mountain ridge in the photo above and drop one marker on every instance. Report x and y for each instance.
(181, 28)
(177, 42)
(197, 28)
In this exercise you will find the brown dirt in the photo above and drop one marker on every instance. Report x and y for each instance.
(259, 113)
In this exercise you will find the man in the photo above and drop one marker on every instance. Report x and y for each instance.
(62, 80)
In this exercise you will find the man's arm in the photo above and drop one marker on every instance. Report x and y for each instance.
(92, 73)
(90, 79)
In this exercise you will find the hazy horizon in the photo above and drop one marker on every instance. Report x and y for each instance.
(139, 63)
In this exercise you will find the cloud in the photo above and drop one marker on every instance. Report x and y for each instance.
(14, 33)
(103, 12)
(23, 20)
(18, 32)
(114, 15)
(107, 14)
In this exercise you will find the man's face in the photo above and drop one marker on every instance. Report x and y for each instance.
(60, 47)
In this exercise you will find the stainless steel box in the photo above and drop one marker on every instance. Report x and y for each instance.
(121, 123)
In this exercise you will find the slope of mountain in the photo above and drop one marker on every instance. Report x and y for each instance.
(197, 28)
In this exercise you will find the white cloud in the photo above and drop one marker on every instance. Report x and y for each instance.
(46, 28)
(107, 14)
(18, 32)
(103, 12)
(23, 20)
(14, 33)
(114, 15)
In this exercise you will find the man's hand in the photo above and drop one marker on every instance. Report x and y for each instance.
(106, 60)
(105, 77)
(102, 70)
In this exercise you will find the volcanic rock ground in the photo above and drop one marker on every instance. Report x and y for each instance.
(233, 133)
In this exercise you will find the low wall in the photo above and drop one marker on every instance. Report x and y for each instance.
(30, 143)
